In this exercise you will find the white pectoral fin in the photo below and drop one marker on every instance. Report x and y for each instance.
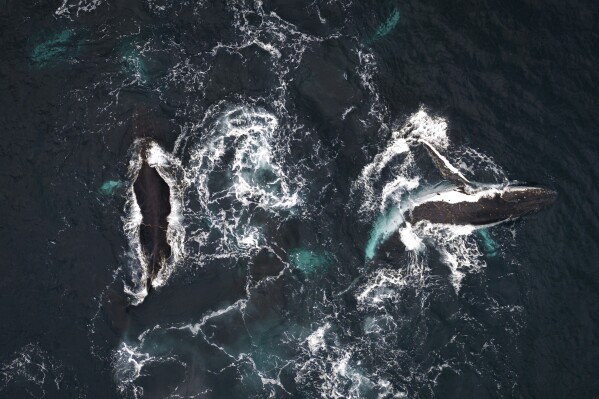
(448, 171)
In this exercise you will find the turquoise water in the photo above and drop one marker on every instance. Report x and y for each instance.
(489, 244)
(55, 48)
(387, 26)
(133, 61)
(109, 187)
(386, 224)
(310, 261)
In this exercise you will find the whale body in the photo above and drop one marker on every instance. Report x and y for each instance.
(152, 194)
(457, 201)
(485, 207)
(477, 204)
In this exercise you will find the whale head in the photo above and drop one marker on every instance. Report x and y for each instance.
(525, 200)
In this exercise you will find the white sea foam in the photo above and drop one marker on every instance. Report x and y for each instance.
(128, 363)
(410, 239)
(316, 339)
(336, 371)
(367, 70)
(70, 7)
(237, 167)
(285, 43)
(457, 247)
(397, 155)
(34, 368)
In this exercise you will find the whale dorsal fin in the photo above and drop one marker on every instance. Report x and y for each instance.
(448, 171)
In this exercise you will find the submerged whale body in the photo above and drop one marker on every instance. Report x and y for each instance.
(467, 203)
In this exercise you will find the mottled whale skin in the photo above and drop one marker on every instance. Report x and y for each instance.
(152, 195)
(467, 203)
(485, 207)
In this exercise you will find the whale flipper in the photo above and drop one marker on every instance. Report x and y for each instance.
(448, 171)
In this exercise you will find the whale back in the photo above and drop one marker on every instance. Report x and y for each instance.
(152, 195)
(486, 207)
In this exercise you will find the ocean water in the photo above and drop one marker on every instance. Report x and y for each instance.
(288, 133)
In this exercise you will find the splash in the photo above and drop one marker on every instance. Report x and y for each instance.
(385, 226)
(376, 192)
(457, 247)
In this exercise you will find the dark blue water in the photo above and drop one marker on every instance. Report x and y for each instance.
(284, 131)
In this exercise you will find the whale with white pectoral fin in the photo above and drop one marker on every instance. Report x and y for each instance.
(461, 202)
(478, 204)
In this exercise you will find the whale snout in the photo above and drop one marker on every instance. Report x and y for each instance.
(529, 199)
(547, 195)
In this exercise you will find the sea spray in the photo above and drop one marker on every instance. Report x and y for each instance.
(238, 174)
(385, 198)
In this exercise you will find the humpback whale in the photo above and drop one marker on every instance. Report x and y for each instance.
(152, 195)
(463, 202)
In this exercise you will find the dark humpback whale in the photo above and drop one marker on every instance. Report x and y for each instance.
(456, 201)
(152, 195)
(477, 204)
